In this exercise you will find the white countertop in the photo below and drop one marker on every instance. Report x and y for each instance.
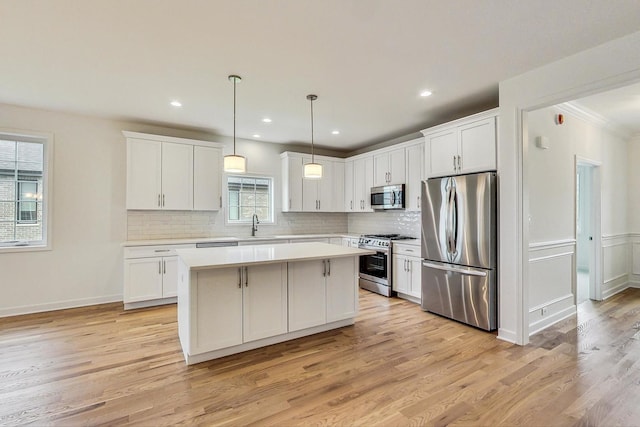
(231, 256)
(194, 240)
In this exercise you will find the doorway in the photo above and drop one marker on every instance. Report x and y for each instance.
(587, 230)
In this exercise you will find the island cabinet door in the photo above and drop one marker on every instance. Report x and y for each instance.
(342, 289)
(307, 294)
(265, 301)
(218, 309)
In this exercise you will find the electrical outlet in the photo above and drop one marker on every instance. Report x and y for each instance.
(543, 311)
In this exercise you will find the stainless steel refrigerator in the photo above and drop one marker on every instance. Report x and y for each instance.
(459, 248)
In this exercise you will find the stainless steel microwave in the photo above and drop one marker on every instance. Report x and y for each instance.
(387, 197)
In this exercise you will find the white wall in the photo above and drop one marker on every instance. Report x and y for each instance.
(552, 211)
(601, 68)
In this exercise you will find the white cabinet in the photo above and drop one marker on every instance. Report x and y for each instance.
(312, 195)
(235, 305)
(362, 183)
(207, 182)
(321, 291)
(165, 172)
(317, 194)
(464, 146)
(291, 183)
(349, 202)
(413, 187)
(389, 167)
(407, 268)
(150, 275)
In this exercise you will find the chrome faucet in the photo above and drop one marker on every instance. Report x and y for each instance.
(254, 226)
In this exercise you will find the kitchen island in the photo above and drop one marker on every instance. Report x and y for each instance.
(233, 299)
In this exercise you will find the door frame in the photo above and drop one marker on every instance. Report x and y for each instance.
(595, 276)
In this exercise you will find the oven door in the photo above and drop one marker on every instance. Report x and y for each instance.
(375, 267)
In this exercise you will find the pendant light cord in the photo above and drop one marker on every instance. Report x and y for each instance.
(234, 116)
(312, 159)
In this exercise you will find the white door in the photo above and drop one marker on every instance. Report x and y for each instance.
(349, 201)
(337, 194)
(478, 146)
(144, 176)
(307, 294)
(265, 301)
(400, 277)
(169, 276)
(380, 169)
(143, 279)
(326, 191)
(206, 178)
(397, 167)
(292, 184)
(413, 186)
(414, 275)
(177, 176)
(342, 289)
(442, 152)
(218, 310)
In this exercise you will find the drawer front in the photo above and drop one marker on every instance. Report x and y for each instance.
(409, 250)
(154, 251)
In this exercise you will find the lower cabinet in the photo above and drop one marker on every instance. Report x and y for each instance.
(232, 306)
(150, 275)
(407, 269)
(321, 291)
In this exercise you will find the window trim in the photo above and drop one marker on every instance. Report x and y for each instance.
(47, 141)
(272, 198)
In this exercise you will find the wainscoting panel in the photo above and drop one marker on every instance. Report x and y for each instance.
(634, 274)
(551, 283)
(615, 264)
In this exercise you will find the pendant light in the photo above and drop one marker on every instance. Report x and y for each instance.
(234, 163)
(312, 170)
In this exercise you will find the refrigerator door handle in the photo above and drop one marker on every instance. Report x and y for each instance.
(455, 269)
(451, 247)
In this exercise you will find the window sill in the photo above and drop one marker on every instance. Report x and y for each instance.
(27, 248)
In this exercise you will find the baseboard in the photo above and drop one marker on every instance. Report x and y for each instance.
(60, 305)
(633, 284)
(508, 336)
(559, 309)
(408, 297)
(608, 293)
(150, 303)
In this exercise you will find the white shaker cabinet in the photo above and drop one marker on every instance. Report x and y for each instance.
(362, 183)
(349, 202)
(291, 182)
(407, 270)
(413, 187)
(389, 167)
(207, 182)
(341, 295)
(464, 146)
(163, 173)
(317, 194)
(150, 275)
(236, 305)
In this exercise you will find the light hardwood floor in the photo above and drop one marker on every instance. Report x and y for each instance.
(396, 366)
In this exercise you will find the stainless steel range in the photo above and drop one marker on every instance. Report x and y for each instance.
(375, 269)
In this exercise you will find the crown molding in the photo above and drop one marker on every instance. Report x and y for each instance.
(575, 109)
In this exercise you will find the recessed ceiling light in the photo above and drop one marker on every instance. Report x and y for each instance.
(266, 120)
(335, 132)
(176, 103)
(425, 93)
(255, 135)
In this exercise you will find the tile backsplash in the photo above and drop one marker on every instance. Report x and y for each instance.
(150, 225)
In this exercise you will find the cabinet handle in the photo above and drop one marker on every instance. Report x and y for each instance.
(159, 267)
(454, 164)
(329, 272)
(246, 277)
(324, 268)
(418, 202)
(164, 267)
(318, 204)
(163, 200)
(289, 204)
(459, 165)
(239, 277)
(158, 199)
(221, 201)
(162, 250)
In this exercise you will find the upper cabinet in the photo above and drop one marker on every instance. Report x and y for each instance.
(172, 173)
(312, 195)
(415, 174)
(463, 146)
(362, 180)
(389, 167)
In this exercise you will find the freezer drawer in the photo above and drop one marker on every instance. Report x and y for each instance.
(467, 295)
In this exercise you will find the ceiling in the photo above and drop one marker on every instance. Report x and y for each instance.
(619, 107)
(367, 60)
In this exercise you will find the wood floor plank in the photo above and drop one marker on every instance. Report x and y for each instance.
(396, 366)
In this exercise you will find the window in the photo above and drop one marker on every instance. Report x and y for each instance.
(249, 195)
(23, 170)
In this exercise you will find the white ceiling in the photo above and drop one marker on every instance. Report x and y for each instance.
(367, 60)
(619, 107)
